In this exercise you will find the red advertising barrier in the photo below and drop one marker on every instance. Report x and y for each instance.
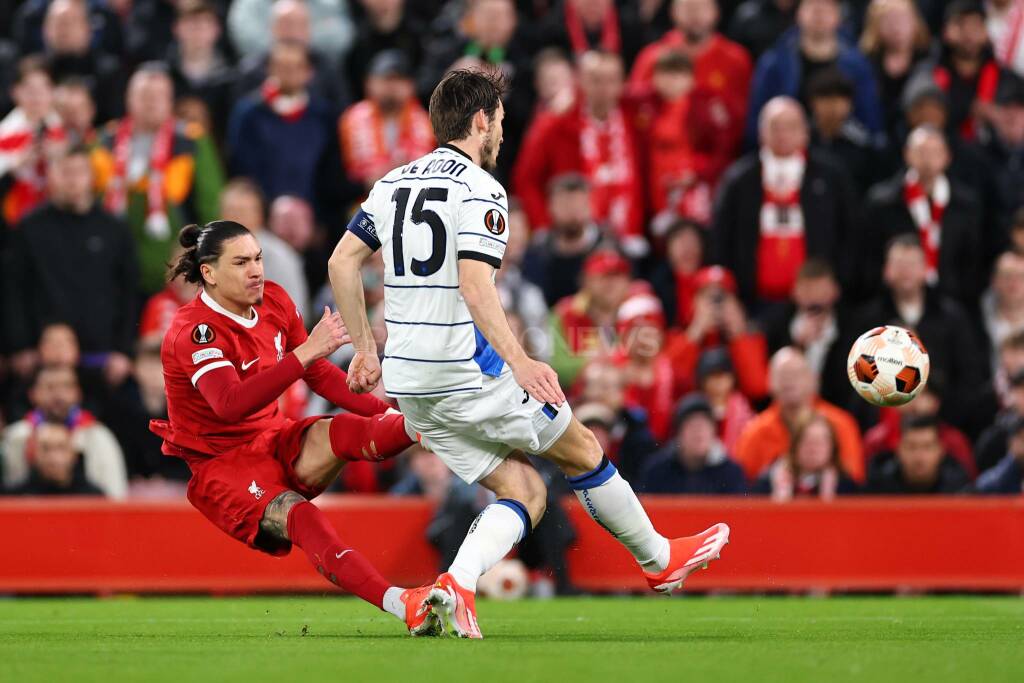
(92, 546)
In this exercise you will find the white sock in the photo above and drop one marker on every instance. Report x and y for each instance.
(611, 503)
(393, 602)
(494, 532)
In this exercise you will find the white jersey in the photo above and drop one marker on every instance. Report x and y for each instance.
(426, 216)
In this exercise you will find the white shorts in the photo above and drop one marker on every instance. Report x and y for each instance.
(473, 433)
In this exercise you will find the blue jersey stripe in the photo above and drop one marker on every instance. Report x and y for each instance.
(418, 322)
(485, 201)
(426, 177)
(421, 286)
(480, 234)
(431, 393)
(430, 360)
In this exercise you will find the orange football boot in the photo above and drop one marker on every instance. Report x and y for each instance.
(455, 607)
(687, 555)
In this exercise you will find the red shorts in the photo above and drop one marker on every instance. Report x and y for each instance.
(233, 489)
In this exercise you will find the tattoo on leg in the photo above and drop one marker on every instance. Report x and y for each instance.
(275, 517)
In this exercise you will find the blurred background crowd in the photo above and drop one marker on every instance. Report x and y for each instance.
(709, 201)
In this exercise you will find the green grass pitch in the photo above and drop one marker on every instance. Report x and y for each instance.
(633, 640)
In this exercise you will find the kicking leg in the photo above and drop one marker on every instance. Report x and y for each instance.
(611, 502)
(522, 498)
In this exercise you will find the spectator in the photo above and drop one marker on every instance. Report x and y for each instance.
(519, 295)
(242, 202)
(159, 310)
(595, 138)
(795, 400)
(885, 436)
(324, 25)
(1006, 365)
(965, 70)
(73, 103)
(155, 173)
(73, 261)
(993, 442)
(29, 135)
(716, 380)
(816, 45)
(554, 81)
(687, 146)
(128, 414)
(895, 40)
(624, 433)
(1006, 477)
(1003, 145)
(290, 22)
(780, 205)
(555, 260)
(291, 219)
(385, 25)
(389, 128)
(834, 132)
(1003, 22)
(103, 26)
(919, 465)
(67, 44)
(696, 462)
(651, 379)
(814, 323)
(941, 212)
(720, 66)
(1002, 306)
(810, 468)
(55, 465)
(55, 396)
(758, 24)
(583, 326)
(675, 278)
(719, 319)
(197, 65)
(579, 26)
(279, 136)
(956, 357)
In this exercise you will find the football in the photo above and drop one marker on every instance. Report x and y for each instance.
(888, 366)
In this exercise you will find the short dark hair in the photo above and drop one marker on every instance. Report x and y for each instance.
(41, 370)
(457, 99)
(906, 240)
(958, 9)
(32, 64)
(568, 182)
(673, 61)
(829, 83)
(815, 268)
(916, 422)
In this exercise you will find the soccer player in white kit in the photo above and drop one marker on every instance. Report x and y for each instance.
(466, 387)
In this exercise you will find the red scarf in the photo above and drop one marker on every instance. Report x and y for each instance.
(288, 107)
(782, 247)
(985, 91)
(926, 212)
(21, 140)
(686, 290)
(368, 155)
(116, 200)
(611, 41)
(657, 398)
(607, 153)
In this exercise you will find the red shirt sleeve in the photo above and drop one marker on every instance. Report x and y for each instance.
(232, 399)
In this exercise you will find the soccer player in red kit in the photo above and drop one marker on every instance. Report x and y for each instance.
(228, 356)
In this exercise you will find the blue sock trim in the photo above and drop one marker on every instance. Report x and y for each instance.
(520, 510)
(595, 477)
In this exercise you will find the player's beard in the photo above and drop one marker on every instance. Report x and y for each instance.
(489, 152)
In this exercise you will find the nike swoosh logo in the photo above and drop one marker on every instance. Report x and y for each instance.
(340, 555)
(246, 366)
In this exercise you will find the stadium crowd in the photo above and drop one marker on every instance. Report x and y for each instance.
(709, 202)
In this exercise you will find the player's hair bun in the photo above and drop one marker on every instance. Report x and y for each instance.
(189, 236)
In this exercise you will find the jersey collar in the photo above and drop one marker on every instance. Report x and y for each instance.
(247, 323)
(456, 150)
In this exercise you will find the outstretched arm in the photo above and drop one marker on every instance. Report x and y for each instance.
(347, 286)
(476, 284)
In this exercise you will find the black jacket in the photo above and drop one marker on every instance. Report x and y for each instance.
(959, 368)
(79, 269)
(961, 253)
(829, 207)
(885, 476)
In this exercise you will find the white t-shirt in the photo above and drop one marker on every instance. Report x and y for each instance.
(425, 217)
